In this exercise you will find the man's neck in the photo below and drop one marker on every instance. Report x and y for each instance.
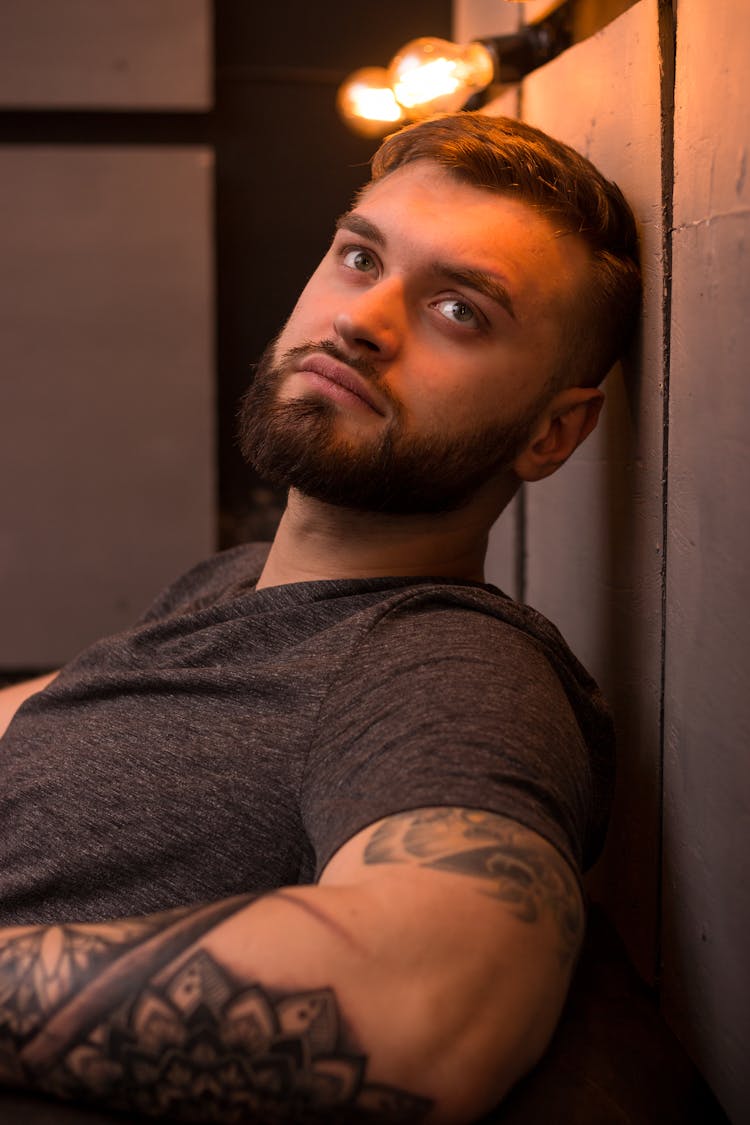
(320, 541)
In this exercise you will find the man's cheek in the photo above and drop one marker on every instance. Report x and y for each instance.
(298, 329)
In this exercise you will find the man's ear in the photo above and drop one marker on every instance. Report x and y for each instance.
(567, 419)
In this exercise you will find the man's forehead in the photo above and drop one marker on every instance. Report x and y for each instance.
(449, 205)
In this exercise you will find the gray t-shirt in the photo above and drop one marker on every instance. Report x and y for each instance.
(234, 739)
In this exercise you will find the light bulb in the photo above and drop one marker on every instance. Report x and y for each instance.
(434, 76)
(367, 104)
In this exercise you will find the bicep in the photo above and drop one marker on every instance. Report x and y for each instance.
(487, 857)
(486, 917)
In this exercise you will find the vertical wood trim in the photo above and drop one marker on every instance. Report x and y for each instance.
(668, 58)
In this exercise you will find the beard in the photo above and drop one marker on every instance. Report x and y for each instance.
(295, 444)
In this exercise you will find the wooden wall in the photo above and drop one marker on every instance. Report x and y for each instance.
(639, 548)
(706, 909)
(594, 530)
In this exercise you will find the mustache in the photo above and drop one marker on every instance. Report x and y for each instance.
(274, 365)
(360, 364)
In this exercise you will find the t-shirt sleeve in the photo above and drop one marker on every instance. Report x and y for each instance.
(444, 708)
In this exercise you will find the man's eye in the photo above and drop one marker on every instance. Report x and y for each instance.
(359, 260)
(456, 310)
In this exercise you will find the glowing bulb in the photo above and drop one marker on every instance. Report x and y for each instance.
(435, 76)
(367, 104)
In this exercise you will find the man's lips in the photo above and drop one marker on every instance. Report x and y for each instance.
(342, 376)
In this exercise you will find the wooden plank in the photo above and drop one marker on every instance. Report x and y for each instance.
(106, 395)
(505, 542)
(706, 984)
(594, 530)
(122, 54)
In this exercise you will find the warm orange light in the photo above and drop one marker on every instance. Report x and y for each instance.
(435, 76)
(367, 103)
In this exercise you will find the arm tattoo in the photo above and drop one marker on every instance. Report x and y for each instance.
(111, 1013)
(529, 877)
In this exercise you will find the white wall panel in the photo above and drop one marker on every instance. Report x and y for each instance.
(706, 991)
(106, 388)
(594, 530)
(122, 54)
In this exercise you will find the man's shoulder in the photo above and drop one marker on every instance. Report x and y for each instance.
(470, 612)
(210, 579)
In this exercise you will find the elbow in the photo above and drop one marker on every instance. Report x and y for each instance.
(464, 1061)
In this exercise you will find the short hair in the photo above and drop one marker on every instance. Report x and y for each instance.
(515, 159)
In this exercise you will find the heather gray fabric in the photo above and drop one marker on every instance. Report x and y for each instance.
(234, 739)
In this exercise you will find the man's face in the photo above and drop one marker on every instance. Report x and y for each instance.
(419, 353)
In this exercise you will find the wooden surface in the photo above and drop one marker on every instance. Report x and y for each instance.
(707, 707)
(594, 530)
(505, 542)
(106, 395)
(124, 54)
(596, 560)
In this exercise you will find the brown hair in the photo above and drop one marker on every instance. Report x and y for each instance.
(513, 158)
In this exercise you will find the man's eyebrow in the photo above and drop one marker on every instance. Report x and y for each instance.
(481, 281)
(358, 224)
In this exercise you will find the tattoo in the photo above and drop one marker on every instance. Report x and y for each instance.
(529, 877)
(109, 1013)
(44, 966)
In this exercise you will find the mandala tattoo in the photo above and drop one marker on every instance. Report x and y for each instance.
(517, 870)
(91, 1013)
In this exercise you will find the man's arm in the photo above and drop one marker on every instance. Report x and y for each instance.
(13, 696)
(417, 981)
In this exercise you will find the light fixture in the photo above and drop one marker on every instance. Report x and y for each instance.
(435, 76)
(430, 76)
(367, 103)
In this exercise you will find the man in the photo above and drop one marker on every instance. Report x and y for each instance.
(381, 775)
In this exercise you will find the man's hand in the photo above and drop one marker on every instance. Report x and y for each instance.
(417, 981)
(13, 696)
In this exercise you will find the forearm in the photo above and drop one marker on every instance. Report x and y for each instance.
(423, 989)
(166, 1013)
(13, 696)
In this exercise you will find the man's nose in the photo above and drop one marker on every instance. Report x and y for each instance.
(373, 321)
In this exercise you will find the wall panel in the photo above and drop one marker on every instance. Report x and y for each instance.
(594, 530)
(706, 991)
(123, 54)
(106, 388)
(505, 543)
